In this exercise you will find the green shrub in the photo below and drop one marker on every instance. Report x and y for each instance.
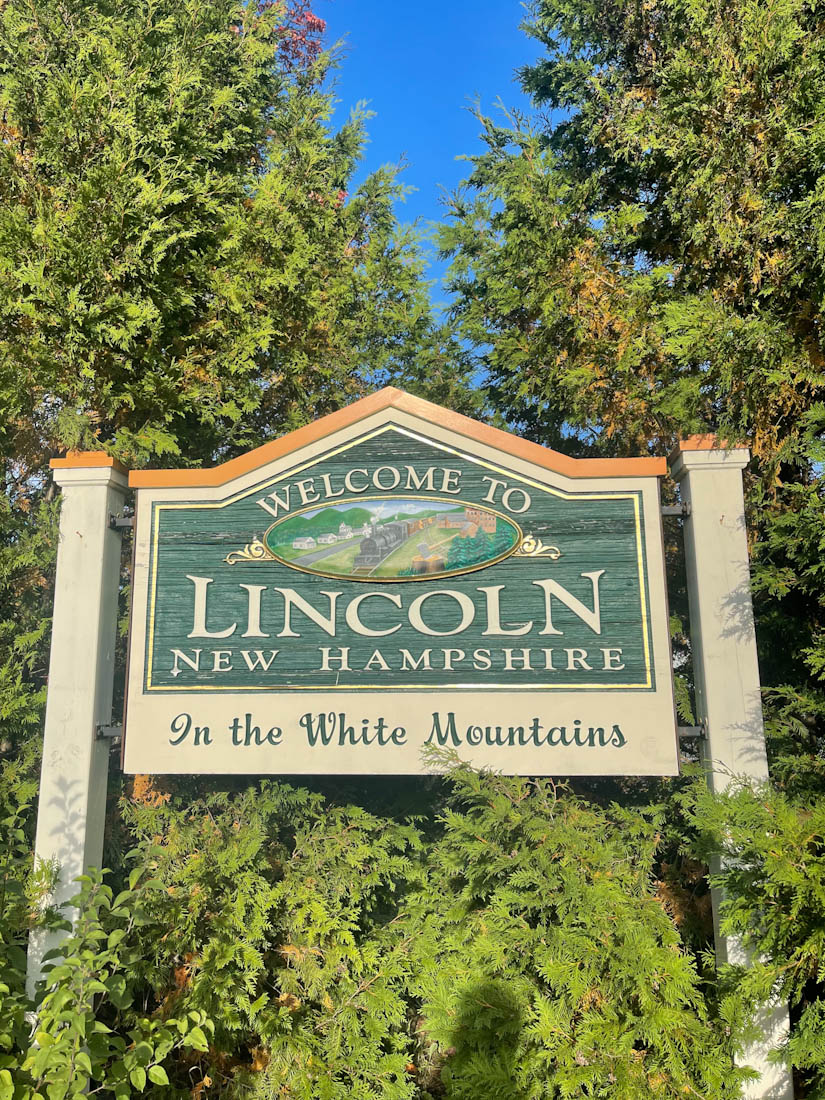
(773, 878)
(515, 944)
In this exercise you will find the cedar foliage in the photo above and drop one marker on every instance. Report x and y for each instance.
(186, 268)
(276, 942)
(641, 260)
(183, 274)
(183, 270)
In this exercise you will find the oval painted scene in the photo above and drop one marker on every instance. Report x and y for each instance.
(393, 539)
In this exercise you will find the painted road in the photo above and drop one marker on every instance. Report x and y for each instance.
(324, 552)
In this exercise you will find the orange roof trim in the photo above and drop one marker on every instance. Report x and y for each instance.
(707, 442)
(89, 460)
(391, 398)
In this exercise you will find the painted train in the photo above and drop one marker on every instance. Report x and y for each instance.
(381, 542)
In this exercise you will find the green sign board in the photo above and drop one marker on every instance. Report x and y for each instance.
(341, 599)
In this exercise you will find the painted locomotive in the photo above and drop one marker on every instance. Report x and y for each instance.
(381, 542)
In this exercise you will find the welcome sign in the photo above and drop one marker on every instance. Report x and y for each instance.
(395, 577)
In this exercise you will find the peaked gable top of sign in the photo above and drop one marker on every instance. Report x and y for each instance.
(387, 400)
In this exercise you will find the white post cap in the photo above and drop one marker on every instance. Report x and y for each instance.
(89, 468)
(706, 452)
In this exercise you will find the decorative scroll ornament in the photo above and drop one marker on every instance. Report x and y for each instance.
(253, 551)
(533, 547)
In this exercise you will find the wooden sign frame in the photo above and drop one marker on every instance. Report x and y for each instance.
(532, 702)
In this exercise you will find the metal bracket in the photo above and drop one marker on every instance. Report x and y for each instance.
(678, 510)
(121, 522)
(694, 733)
(108, 733)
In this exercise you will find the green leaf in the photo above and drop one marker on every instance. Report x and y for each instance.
(138, 1078)
(84, 1062)
(117, 990)
(157, 1075)
(196, 1038)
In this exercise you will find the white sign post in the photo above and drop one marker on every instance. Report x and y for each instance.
(726, 670)
(72, 801)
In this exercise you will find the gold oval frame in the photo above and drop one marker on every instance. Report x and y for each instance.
(395, 580)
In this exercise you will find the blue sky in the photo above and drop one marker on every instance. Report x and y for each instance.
(420, 66)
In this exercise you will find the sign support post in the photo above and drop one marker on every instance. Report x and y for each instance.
(726, 669)
(72, 803)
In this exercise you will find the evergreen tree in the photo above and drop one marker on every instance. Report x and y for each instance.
(186, 268)
(646, 265)
(183, 269)
(642, 260)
